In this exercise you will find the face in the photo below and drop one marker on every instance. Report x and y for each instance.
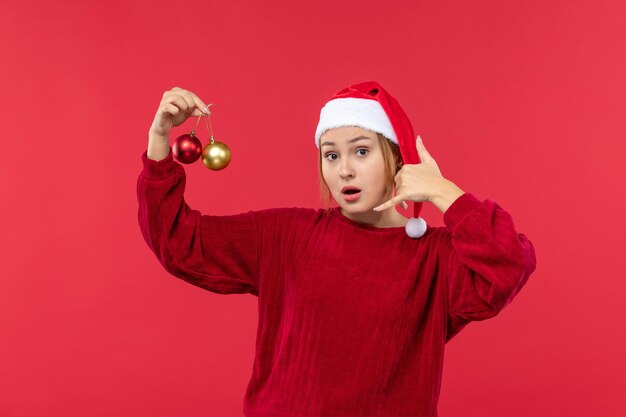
(351, 156)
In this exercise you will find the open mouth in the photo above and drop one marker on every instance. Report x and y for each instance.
(351, 195)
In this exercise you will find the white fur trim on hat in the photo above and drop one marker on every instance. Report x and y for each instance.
(351, 111)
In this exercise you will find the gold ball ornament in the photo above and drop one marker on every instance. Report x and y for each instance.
(216, 155)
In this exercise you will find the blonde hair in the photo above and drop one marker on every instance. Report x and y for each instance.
(392, 159)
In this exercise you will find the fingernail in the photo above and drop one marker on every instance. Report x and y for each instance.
(419, 138)
(206, 110)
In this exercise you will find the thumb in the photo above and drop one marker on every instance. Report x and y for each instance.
(421, 150)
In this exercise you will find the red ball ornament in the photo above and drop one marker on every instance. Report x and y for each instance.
(187, 148)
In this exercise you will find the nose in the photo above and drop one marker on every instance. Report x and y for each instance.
(345, 169)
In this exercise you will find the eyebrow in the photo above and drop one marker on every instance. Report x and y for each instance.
(350, 141)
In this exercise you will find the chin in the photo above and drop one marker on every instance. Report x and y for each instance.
(359, 207)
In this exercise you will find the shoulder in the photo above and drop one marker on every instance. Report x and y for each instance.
(438, 241)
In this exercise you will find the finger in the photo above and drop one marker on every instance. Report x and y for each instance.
(421, 150)
(405, 205)
(397, 176)
(178, 101)
(171, 109)
(184, 105)
(200, 105)
(382, 206)
(192, 100)
(390, 203)
(188, 99)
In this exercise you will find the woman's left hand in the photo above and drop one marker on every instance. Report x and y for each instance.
(417, 182)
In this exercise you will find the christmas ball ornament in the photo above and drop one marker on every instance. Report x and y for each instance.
(216, 155)
(187, 148)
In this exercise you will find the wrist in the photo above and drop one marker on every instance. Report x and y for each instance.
(157, 136)
(158, 150)
(448, 193)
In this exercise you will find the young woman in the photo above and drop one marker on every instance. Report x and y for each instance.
(356, 303)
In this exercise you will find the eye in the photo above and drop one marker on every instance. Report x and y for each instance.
(327, 156)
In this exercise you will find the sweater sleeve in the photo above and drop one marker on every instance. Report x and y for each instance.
(217, 253)
(484, 261)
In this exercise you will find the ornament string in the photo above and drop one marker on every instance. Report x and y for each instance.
(209, 125)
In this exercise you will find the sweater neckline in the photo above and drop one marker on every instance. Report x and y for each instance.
(337, 214)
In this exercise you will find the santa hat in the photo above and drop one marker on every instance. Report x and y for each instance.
(370, 106)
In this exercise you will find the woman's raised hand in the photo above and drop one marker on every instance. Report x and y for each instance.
(177, 105)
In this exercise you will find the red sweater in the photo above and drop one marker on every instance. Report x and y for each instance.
(353, 319)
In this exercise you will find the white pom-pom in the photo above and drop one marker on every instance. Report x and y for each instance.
(415, 227)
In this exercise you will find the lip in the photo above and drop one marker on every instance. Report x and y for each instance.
(349, 187)
(352, 197)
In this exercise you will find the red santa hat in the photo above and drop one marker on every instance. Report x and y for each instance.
(370, 106)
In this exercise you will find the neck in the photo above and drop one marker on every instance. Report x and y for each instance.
(387, 218)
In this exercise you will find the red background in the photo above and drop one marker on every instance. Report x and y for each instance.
(520, 102)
